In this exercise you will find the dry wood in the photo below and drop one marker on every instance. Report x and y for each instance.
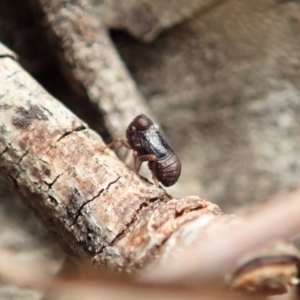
(277, 220)
(40, 163)
(91, 62)
(99, 210)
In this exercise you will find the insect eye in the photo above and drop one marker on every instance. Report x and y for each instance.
(141, 122)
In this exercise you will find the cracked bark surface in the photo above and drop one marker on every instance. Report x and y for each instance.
(219, 82)
(154, 226)
(100, 211)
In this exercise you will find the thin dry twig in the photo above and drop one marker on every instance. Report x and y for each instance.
(37, 274)
(100, 211)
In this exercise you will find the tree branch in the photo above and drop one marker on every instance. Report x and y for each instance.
(226, 242)
(90, 61)
(100, 211)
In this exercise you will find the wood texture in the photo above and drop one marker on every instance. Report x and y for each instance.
(90, 61)
(99, 210)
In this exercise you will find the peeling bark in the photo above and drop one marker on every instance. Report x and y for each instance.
(100, 211)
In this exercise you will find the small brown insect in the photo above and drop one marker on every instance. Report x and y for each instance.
(149, 145)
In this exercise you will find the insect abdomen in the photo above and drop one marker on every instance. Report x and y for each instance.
(168, 169)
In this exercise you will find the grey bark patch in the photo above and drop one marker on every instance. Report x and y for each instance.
(25, 117)
(3, 129)
(5, 106)
(75, 199)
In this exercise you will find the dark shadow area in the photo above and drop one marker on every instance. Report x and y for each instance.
(21, 33)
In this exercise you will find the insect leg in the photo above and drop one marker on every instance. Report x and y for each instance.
(124, 143)
(154, 177)
(147, 157)
(152, 158)
(136, 163)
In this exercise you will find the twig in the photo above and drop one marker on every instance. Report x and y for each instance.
(99, 210)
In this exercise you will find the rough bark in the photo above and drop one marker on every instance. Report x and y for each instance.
(99, 210)
(90, 61)
(79, 51)
(228, 241)
(102, 213)
(220, 82)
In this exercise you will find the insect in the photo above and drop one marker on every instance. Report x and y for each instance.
(149, 145)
